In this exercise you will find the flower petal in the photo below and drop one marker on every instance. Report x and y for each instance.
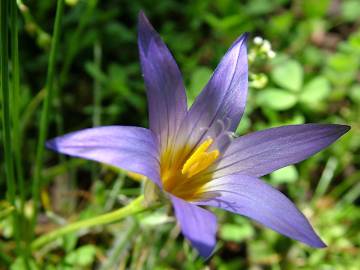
(225, 94)
(197, 224)
(251, 197)
(165, 88)
(265, 151)
(130, 148)
(222, 100)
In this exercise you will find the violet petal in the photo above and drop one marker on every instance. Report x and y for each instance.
(222, 99)
(197, 224)
(251, 197)
(164, 84)
(263, 152)
(129, 148)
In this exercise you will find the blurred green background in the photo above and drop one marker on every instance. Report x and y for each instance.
(314, 77)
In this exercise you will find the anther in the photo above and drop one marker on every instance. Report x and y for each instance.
(200, 159)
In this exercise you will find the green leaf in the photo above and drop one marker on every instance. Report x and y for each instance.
(315, 91)
(259, 7)
(354, 42)
(19, 264)
(350, 10)
(276, 99)
(317, 8)
(342, 62)
(94, 71)
(69, 242)
(244, 125)
(288, 74)
(5, 209)
(342, 68)
(287, 174)
(236, 233)
(199, 79)
(282, 23)
(355, 93)
(83, 256)
(313, 56)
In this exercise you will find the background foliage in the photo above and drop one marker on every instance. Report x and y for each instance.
(313, 78)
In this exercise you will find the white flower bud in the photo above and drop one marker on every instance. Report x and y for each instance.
(258, 40)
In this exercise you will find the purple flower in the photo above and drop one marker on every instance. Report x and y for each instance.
(192, 155)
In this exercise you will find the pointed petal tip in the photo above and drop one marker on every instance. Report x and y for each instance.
(51, 144)
(245, 36)
(240, 194)
(142, 19)
(339, 130)
(316, 242)
(344, 128)
(146, 33)
(321, 245)
(198, 225)
(205, 251)
(241, 40)
(141, 14)
(143, 23)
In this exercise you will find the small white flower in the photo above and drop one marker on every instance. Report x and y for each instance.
(271, 54)
(266, 46)
(258, 40)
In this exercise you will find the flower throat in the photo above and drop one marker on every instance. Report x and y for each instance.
(179, 179)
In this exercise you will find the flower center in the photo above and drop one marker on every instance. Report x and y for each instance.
(200, 159)
(181, 176)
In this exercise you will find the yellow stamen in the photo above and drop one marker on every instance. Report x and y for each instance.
(200, 159)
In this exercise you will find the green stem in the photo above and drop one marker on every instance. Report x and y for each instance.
(6, 115)
(75, 37)
(136, 206)
(46, 108)
(28, 114)
(96, 117)
(43, 39)
(15, 103)
(6, 102)
(97, 86)
(15, 113)
(326, 177)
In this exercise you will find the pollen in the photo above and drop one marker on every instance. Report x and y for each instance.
(181, 176)
(200, 159)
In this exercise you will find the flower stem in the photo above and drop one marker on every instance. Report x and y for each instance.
(136, 206)
(37, 183)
